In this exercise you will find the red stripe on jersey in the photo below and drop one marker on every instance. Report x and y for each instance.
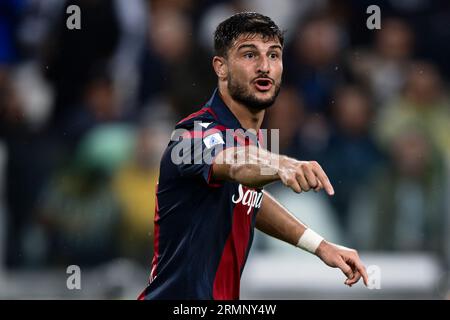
(239, 140)
(213, 113)
(261, 139)
(201, 134)
(193, 115)
(242, 139)
(228, 276)
(192, 135)
(198, 113)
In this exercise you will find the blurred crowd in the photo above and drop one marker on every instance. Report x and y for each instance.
(85, 115)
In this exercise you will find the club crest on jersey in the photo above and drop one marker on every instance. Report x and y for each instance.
(250, 198)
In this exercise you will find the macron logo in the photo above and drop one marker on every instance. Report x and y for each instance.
(205, 124)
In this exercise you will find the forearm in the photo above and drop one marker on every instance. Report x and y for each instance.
(276, 221)
(250, 166)
(256, 167)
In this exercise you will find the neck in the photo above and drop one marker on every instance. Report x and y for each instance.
(248, 118)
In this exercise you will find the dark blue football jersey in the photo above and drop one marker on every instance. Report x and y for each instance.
(203, 228)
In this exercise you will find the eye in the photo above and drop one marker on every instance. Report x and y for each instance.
(273, 55)
(249, 55)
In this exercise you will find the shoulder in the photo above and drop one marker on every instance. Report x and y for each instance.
(202, 123)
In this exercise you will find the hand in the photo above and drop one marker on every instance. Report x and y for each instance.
(303, 175)
(345, 259)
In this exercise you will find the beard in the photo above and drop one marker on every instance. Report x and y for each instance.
(243, 95)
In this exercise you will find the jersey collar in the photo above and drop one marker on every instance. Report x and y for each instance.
(222, 112)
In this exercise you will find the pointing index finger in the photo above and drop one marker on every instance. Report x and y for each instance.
(324, 180)
(363, 272)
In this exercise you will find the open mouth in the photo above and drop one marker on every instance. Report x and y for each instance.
(263, 84)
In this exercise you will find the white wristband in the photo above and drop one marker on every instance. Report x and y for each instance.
(309, 241)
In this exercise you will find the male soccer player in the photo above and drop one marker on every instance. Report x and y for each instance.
(206, 211)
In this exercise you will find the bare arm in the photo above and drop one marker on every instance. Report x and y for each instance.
(256, 167)
(276, 221)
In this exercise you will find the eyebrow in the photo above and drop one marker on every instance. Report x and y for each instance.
(252, 46)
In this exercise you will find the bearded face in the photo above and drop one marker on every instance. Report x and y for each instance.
(254, 71)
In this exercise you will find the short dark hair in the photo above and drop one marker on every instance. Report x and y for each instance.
(251, 23)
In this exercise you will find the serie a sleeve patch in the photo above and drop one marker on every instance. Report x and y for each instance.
(212, 140)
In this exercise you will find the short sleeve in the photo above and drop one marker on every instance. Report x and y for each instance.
(193, 152)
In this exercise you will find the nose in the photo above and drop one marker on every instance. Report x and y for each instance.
(264, 66)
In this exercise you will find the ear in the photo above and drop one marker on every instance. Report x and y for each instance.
(220, 67)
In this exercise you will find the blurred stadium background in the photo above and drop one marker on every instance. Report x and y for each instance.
(85, 115)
